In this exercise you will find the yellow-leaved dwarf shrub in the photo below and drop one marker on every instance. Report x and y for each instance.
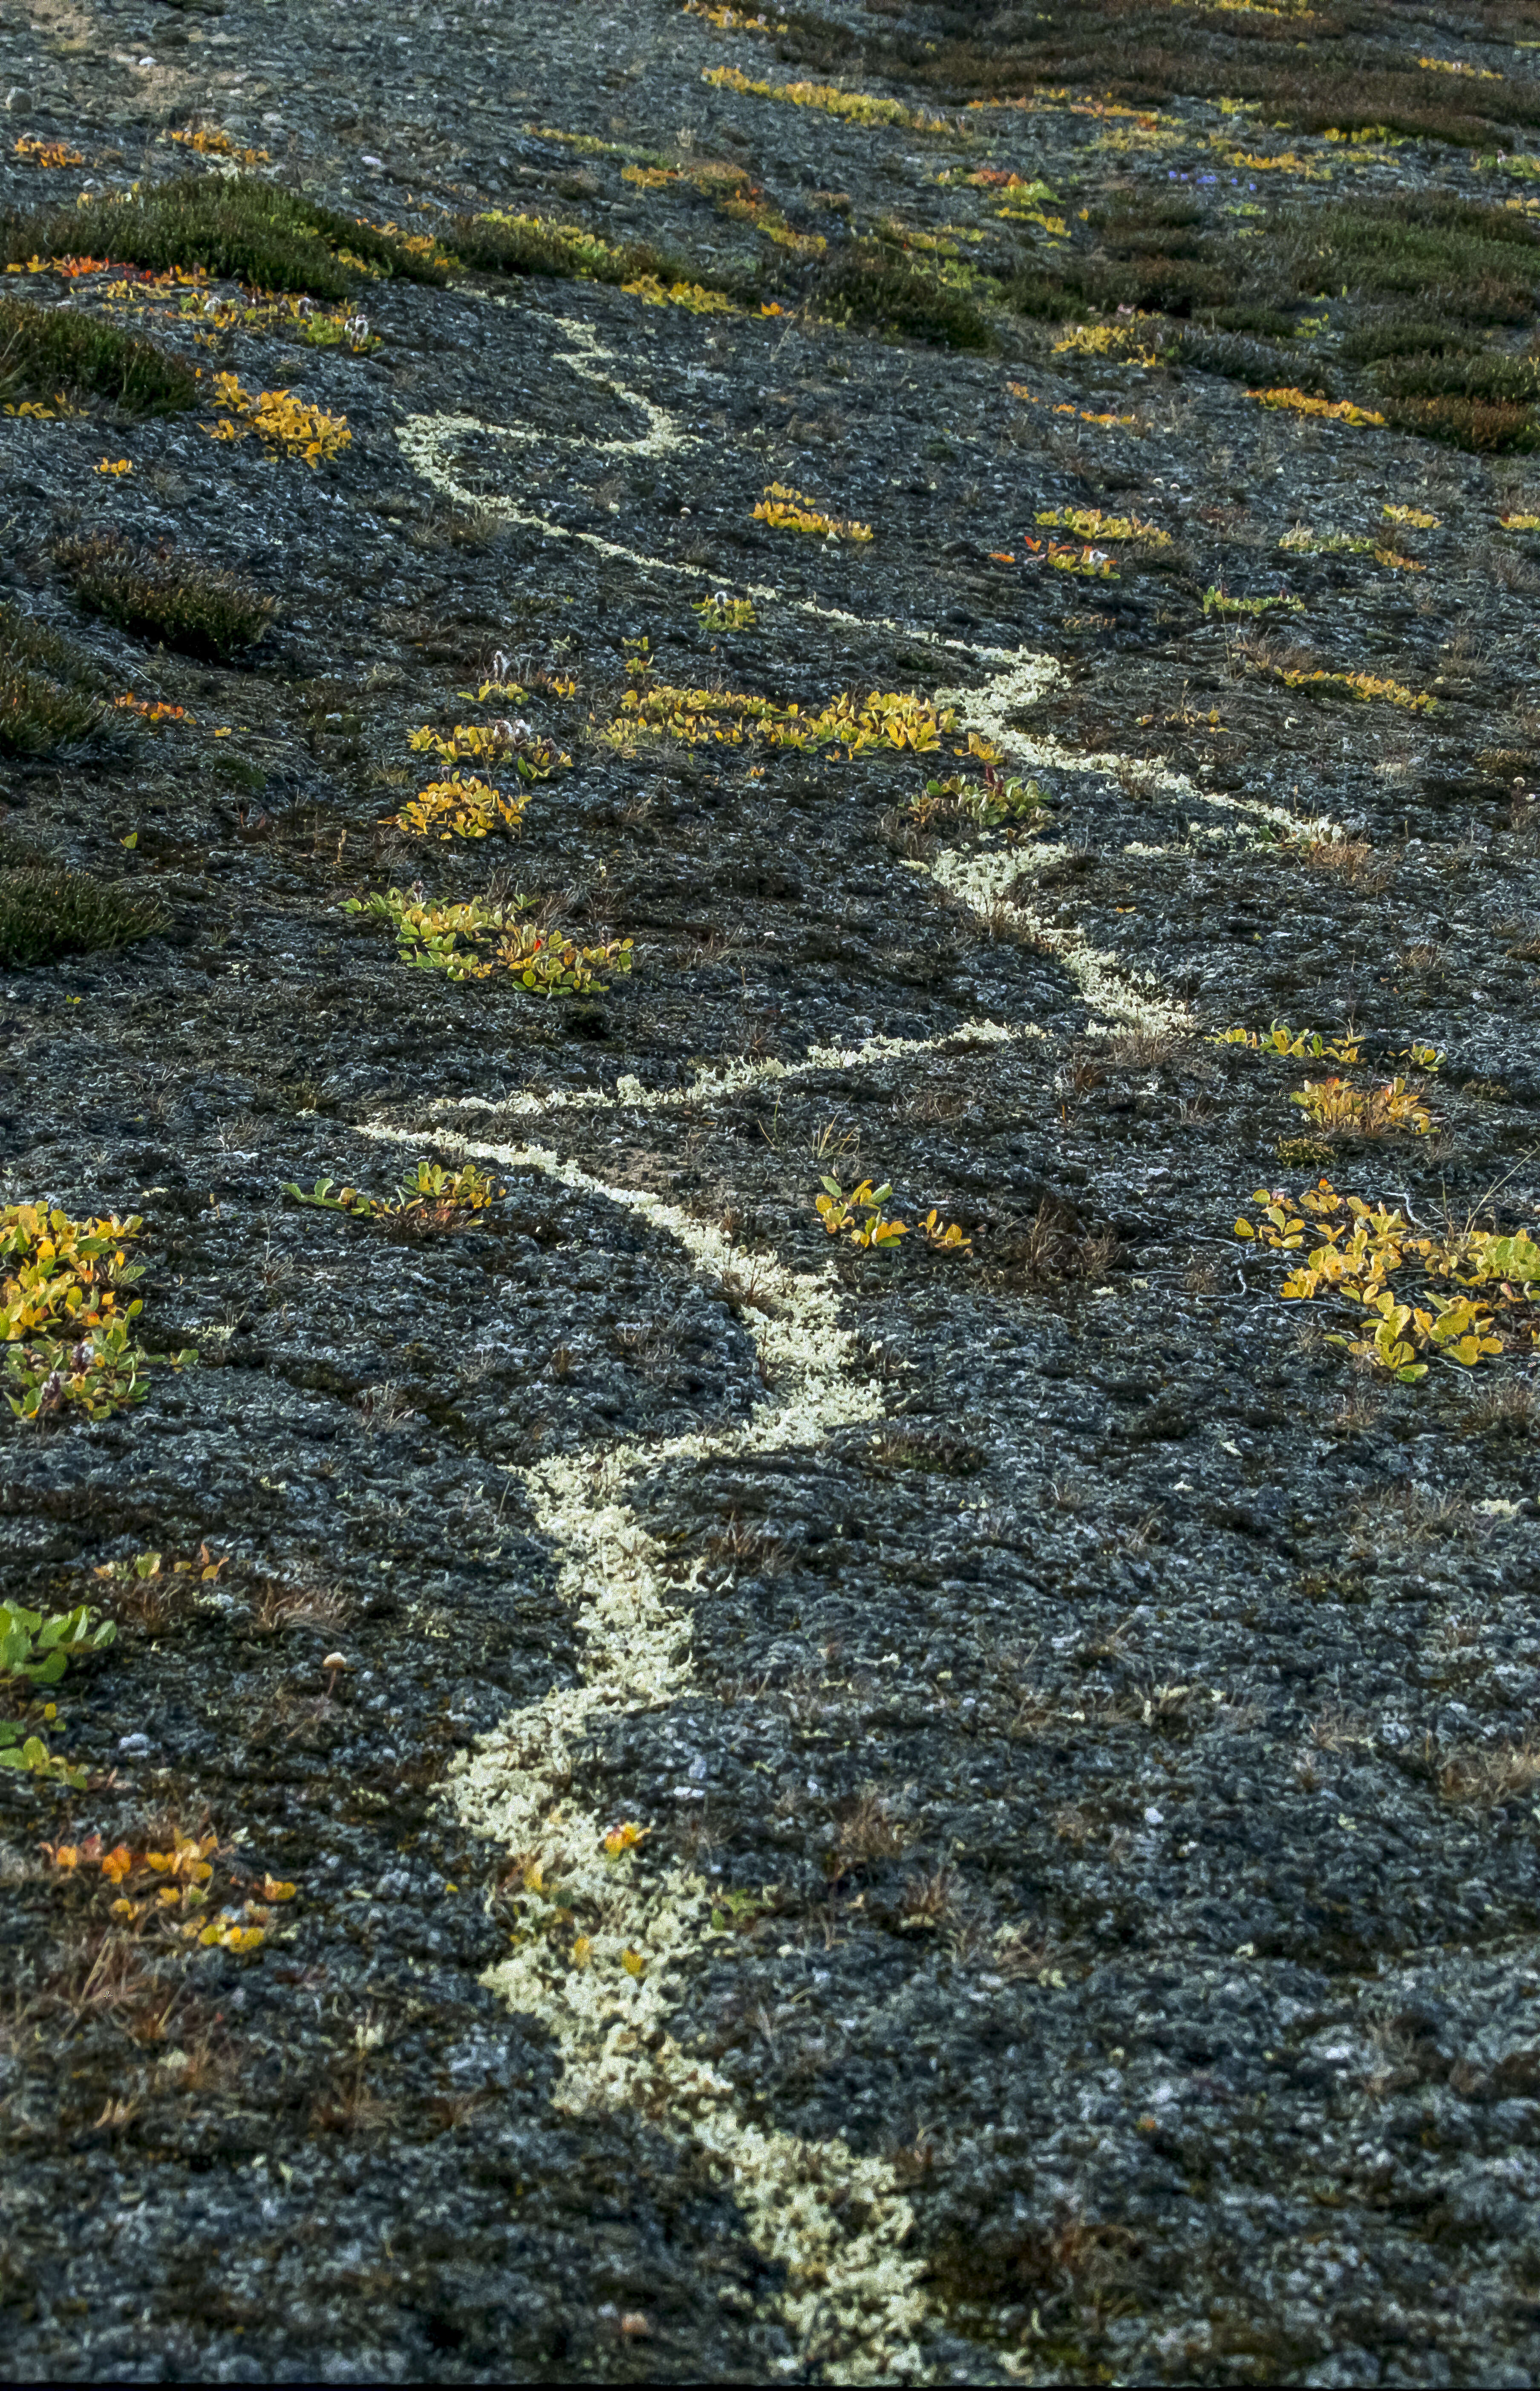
(285, 422)
(1364, 1112)
(1344, 1248)
(453, 938)
(64, 1331)
(1281, 1039)
(1301, 402)
(786, 510)
(502, 741)
(848, 725)
(457, 808)
(860, 1217)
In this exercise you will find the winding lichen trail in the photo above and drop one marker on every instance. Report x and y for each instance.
(1116, 992)
(837, 2222)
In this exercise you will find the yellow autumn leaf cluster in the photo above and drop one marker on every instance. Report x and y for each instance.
(1090, 522)
(1301, 402)
(59, 1276)
(285, 422)
(1281, 1039)
(849, 725)
(1350, 1250)
(457, 808)
(1364, 1112)
(787, 510)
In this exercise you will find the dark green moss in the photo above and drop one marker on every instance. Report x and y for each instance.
(47, 911)
(1478, 265)
(45, 349)
(869, 286)
(541, 245)
(1511, 382)
(252, 231)
(1407, 336)
(44, 705)
(1481, 427)
(524, 245)
(200, 609)
(1254, 362)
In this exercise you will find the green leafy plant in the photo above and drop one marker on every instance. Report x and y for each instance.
(428, 1196)
(859, 1214)
(40, 1645)
(995, 800)
(99, 1374)
(739, 1913)
(851, 725)
(449, 937)
(22, 1747)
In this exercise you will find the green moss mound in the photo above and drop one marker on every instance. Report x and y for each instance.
(244, 228)
(45, 349)
(48, 910)
(44, 705)
(199, 608)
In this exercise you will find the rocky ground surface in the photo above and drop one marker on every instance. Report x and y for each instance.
(773, 1809)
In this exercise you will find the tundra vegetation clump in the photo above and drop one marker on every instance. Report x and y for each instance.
(428, 1198)
(860, 1215)
(502, 741)
(160, 594)
(786, 510)
(244, 228)
(481, 938)
(48, 910)
(848, 726)
(67, 1336)
(168, 1892)
(286, 424)
(43, 350)
(460, 808)
(1347, 1249)
(47, 703)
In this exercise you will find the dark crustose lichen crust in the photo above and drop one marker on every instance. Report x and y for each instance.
(770, 1193)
